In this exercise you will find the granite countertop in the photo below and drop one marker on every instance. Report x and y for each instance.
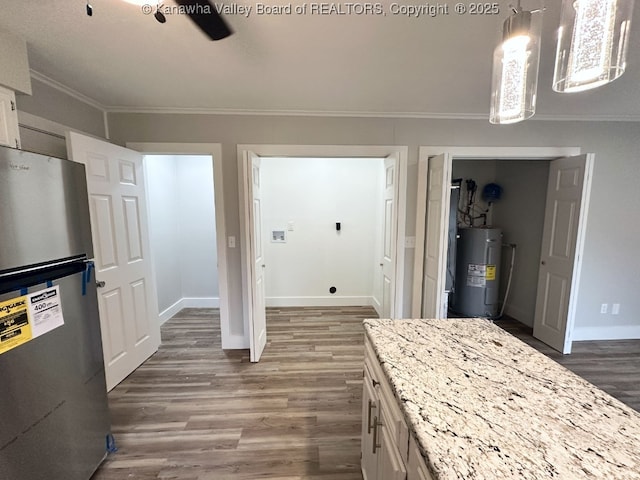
(484, 405)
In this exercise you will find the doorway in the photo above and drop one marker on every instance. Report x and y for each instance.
(229, 339)
(182, 231)
(251, 158)
(565, 217)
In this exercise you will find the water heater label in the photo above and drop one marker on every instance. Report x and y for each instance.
(491, 272)
(478, 274)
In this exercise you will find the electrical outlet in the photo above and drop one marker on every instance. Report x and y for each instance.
(615, 309)
(604, 308)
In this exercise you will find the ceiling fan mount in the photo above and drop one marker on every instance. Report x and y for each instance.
(201, 12)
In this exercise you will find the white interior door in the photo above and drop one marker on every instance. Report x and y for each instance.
(560, 259)
(257, 319)
(389, 234)
(127, 303)
(435, 258)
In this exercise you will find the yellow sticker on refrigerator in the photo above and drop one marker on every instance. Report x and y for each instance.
(29, 316)
(15, 328)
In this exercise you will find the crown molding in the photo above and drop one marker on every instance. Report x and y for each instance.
(294, 113)
(67, 90)
(361, 114)
(313, 113)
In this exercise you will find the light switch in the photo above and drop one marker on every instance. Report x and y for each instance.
(291, 226)
(232, 242)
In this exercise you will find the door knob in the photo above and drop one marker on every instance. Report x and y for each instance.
(543, 262)
(100, 284)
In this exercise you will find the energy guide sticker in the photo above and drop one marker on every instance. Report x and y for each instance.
(29, 316)
(15, 328)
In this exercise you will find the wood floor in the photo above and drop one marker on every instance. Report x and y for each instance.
(614, 366)
(194, 412)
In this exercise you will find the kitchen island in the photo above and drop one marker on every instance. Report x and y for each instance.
(477, 403)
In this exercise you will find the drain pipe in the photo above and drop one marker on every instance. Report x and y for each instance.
(513, 261)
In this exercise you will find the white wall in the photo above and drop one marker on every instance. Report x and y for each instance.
(314, 194)
(182, 231)
(164, 232)
(520, 213)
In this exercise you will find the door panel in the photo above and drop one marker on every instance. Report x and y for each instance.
(567, 195)
(127, 304)
(112, 326)
(258, 320)
(438, 181)
(132, 228)
(388, 263)
(104, 232)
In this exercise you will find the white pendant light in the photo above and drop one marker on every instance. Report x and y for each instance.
(515, 68)
(593, 38)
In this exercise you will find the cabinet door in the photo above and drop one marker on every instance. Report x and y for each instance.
(416, 468)
(369, 414)
(390, 466)
(9, 134)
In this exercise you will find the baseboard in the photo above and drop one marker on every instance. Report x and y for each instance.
(188, 302)
(235, 342)
(377, 306)
(170, 312)
(519, 314)
(201, 302)
(331, 301)
(621, 332)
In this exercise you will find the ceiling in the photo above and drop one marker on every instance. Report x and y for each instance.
(386, 65)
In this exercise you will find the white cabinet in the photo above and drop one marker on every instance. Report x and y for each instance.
(385, 434)
(416, 468)
(9, 134)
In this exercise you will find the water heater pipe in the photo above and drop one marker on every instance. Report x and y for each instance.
(513, 261)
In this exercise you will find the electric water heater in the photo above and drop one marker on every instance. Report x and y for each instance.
(477, 277)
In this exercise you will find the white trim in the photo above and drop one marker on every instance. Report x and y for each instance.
(235, 342)
(377, 305)
(169, 312)
(324, 301)
(362, 114)
(619, 332)
(66, 90)
(201, 302)
(215, 150)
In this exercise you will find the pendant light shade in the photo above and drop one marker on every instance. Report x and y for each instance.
(593, 38)
(515, 69)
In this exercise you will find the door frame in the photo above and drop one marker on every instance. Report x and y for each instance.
(229, 341)
(324, 151)
(475, 153)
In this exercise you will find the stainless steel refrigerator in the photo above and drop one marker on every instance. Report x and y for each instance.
(54, 418)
